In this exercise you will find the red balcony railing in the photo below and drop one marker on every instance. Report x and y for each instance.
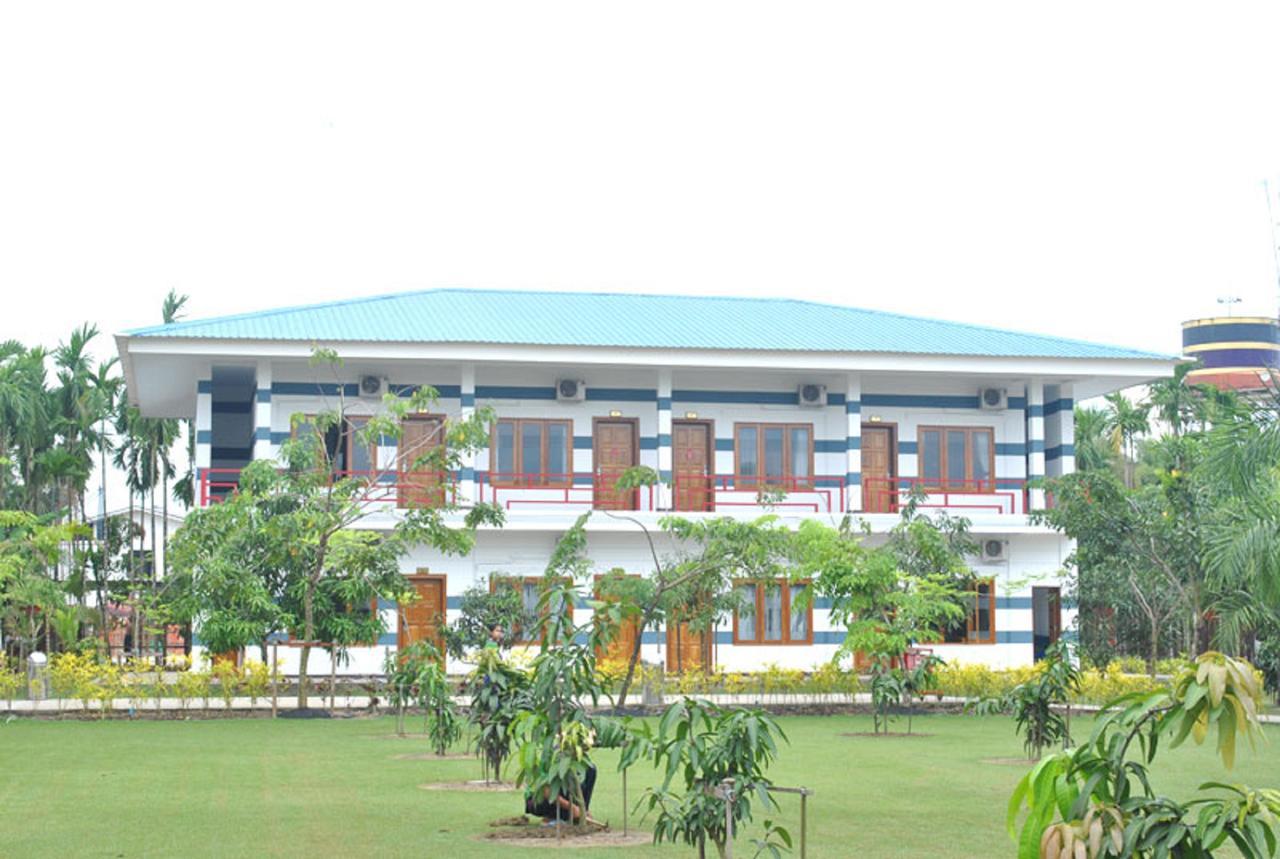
(532, 489)
(403, 489)
(816, 494)
(1002, 495)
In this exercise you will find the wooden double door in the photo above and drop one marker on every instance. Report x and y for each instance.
(423, 618)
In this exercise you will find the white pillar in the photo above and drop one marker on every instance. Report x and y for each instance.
(262, 445)
(663, 494)
(853, 442)
(1035, 439)
(467, 493)
(204, 437)
(1065, 421)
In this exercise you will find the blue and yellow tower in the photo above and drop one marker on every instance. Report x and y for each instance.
(1237, 352)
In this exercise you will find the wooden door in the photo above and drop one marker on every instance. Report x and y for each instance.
(419, 485)
(693, 455)
(623, 643)
(615, 449)
(687, 650)
(424, 617)
(878, 456)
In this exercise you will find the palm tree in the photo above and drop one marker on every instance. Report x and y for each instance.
(1175, 403)
(1093, 448)
(1125, 422)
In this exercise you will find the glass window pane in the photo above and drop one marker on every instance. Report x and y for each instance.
(773, 613)
(361, 452)
(931, 456)
(982, 457)
(955, 457)
(506, 446)
(747, 613)
(531, 452)
(981, 630)
(799, 451)
(529, 594)
(773, 452)
(557, 453)
(748, 454)
(799, 616)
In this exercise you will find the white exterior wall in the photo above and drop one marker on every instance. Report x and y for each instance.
(521, 549)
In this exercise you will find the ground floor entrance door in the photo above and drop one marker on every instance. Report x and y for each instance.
(1046, 618)
(687, 650)
(423, 618)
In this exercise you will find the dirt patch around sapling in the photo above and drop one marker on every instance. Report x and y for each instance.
(432, 756)
(478, 786)
(408, 738)
(532, 832)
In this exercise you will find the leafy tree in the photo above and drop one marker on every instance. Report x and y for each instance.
(29, 548)
(1092, 445)
(495, 688)
(415, 676)
(290, 527)
(481, 611)
(707, 748)
(1126, 422)
(1098, 799)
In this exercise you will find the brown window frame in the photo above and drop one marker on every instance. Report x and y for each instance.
(969, 485)
(788, 456)
(522, 581)
(786, 640)
(971, 619)
(518, 457)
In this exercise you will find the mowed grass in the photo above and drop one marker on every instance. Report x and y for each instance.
(329, 788)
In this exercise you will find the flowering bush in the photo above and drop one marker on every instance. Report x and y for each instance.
(257, 680)
(229, 677)
(10, 681)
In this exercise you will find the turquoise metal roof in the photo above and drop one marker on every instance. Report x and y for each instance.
(628, 321)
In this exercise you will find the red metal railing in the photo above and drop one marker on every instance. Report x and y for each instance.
(817, 494)
(886, 494)
(402, 489)
(594, 491)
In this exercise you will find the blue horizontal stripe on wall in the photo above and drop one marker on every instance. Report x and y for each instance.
(664, 403)
(853, 442)
(830, 445)
(919, 401)
(907, 447)
(1010, 448)
(204, 436)
(582, 442)
(649, 442)
(853, 407)
(467, 474)
(264, 395)
(387, 639)
(637, 395)
(1013, 602)
(664, 439)
(262, 434)
(778, 398)
(444, 392)
(515, 392)
(724, 445)
(1064, 404)
(664, 476)
(834, 399)
(384, 604)
(468, 400)
(1058, 451)
(314, 389)
(853, 479)
(224, 407)
(204, 386)
(1018, 402)
(1017, 637)
(1035, 411)
(1036, 445)
(1212, 359)
(281, 437)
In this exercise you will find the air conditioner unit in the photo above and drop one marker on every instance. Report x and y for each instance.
(372, 387)
(994, 550)
(993, 399)
(571, 390)
(811, 395)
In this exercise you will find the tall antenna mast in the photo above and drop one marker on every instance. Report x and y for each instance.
(1275, 237)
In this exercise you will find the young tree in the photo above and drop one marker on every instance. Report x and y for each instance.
(481, 611)
(1035, 704)
(291, 526)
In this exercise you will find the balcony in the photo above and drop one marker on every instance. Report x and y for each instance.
(718, 493)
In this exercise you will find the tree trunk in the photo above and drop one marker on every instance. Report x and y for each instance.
(1153, 652)
(633, 661)
(308, 635)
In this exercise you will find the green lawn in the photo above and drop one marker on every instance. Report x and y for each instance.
(333, 788)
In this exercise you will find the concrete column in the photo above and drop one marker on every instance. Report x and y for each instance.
(262, 445)
(468, 492)
(204, 437)
(1060, 458)
(1035, 439)
(853, 442)
(663, 495)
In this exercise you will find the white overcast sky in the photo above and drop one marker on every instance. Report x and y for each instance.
(1091, 170)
